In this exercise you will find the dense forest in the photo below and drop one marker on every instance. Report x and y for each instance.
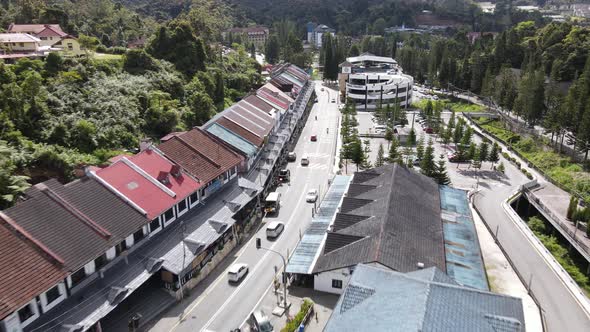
(60, 113)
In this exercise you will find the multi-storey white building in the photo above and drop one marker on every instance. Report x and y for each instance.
(371, 81)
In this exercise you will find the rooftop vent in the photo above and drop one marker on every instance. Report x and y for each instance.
(163, 178)
(420, 265)
(175, 171)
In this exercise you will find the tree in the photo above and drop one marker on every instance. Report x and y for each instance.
(483, 151)
(427, 164)
(494, 154)
(411, 138)
(138, 61)
(272, 49)
(572, 207)
(84, 135)
(11, 186)
(219, 95)
(53, 63)
(472, 152)
(380, 156)
(476, 159)
(354, 50)
(88, 43)
(366, 151)
(420, 148)
(394, 155)
(441, 175)
(501, 167)
(357, 154)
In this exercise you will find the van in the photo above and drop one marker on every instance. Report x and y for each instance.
(259, 322)
(236, 272)
(274, 229)
(380, 128)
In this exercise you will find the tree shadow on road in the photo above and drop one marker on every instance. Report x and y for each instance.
(485, 174)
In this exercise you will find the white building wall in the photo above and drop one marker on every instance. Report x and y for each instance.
(111, 254)
(323, 281)
(129, 241)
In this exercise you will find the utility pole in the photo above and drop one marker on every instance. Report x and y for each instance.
(259, 246)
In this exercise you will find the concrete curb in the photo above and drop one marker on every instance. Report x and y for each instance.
(565, 278)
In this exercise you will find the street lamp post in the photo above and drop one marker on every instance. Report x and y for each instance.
(259, 246)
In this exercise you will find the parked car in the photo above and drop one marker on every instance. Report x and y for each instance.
(260, 322)
(429, 130)
(304, 161)
(333, 100)
(284, 175)
(274, 229)
(322, 89)
(237, 272)
(316, 100)
(292, 156)
(313, 138)
(312, 196)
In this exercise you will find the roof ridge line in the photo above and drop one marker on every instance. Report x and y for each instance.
(222, 143)
(101, 231)
(148, 177)
(197, 151)
(253, 114)
(393, 172)
(31, 238)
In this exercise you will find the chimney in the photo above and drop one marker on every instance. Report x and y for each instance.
(163, 177)
(175, 171)
(144, 144)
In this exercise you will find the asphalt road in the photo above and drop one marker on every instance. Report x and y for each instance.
(222, 306)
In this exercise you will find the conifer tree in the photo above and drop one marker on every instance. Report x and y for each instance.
(494, 154)
(394, 155)
(427, 164)
(380, 156)
(442, 176)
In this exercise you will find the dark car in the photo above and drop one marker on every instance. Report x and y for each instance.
(291, 156)
(429, 130)
(284, 175)
(313, 138)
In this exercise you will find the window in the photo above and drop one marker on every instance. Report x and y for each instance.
(70, 46)
(53, 294)
(169, 214)
(336, 283)
(25, 313)
(137, 236)
(43, 38)
(22, 44)
(119, 248)
(182, 205)
(100, 261)
(78, 276)
(194, 197)
(154, 225)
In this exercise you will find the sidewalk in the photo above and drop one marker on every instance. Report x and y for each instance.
(502, 277)
(323, 306)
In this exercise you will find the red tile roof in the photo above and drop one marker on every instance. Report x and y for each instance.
(52, 29)
(259, 103)
(141, 185)
(27, 270)
(200, 154)
(273, 98)
(169, 136)
(274, 89)
(153, 163)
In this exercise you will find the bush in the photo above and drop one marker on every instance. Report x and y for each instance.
(294, 324)
(506, 156)
(501, 168)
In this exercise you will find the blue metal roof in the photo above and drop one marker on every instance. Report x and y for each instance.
(232, 139)
(462, 251)
(308, 249)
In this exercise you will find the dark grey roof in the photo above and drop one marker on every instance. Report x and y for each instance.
(79, 221)
(377, 299)
(395, 217)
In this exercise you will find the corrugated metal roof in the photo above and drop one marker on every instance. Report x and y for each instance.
(378, 299)
(313, 239)
(232, 139)
(462, 251)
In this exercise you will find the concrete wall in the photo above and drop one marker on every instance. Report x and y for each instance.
(323, 281)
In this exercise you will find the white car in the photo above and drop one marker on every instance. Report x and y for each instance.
(312, 196)
(274, 229)
(237, 271)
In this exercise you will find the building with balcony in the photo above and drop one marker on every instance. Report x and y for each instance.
(372, 81)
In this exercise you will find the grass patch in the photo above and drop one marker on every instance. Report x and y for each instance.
(464, 107)
(106, 56)
(570, 175)
(558, 248)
